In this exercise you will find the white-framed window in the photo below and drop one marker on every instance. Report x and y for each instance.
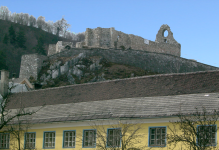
(69, 139)
(206, 135)
(30, 140)
(49, 139)
(4, 140)
(113, 137)
(157, 136)
(89, 138)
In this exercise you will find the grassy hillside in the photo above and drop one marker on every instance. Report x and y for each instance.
(10, 56)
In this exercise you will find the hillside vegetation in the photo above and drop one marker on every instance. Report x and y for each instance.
(24, 40)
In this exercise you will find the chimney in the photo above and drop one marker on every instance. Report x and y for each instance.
(4, 83)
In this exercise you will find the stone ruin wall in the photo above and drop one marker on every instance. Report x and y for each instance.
(52, 49)
(110, 38)
(61, 46)
(31, 65)
(58, 47)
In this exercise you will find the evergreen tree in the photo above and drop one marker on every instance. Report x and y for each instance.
(21, 39)
(3, 60)
(40, 46)
(12, 35)
(5, 40)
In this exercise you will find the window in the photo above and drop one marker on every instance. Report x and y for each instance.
(30, 139)
(49, 140)
(4, 140)
(157, 136)
(69, 139)
(113, 137)
(89, 138)
(207, 135)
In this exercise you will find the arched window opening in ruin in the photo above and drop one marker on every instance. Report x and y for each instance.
(118, 37)
(165, 33)
(165, 40)
(67, 47)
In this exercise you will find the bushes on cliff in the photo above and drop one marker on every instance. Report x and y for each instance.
(12, 35)
(39, 48)
(122, 47)
(18, 40)
(6, 38)
(3, 60)
(21, 39)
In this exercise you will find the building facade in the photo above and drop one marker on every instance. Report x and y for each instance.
(75, 117)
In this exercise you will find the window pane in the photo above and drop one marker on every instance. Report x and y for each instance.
(89, 138)
(163, 130)
(207, 133)
(69, 138)
(163, 142)
(157, 136)
(158, 142)
(158, 130)
(152, 137)
(152, 131)
(30, 140)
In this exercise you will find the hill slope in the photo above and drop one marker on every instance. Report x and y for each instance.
(10, 55)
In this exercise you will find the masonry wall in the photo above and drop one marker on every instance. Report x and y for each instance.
(52, 49)
(59, 46)
(31, 65)
(156, 62)
(110, 38)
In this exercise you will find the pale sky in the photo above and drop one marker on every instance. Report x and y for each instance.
(194, 23)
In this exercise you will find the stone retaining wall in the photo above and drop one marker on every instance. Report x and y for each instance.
(31, 65)
(156, 62)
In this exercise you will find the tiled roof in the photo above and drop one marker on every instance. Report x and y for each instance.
(142, 107)
(146, 86)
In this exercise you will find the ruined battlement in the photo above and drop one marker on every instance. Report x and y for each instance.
(58, 47)
(109, 38)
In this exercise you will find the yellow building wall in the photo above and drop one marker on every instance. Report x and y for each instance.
(79, 133)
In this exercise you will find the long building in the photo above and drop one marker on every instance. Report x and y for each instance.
(75, 116)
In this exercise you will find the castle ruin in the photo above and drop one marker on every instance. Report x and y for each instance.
(58, 47)
(161, 55)
(109, 38)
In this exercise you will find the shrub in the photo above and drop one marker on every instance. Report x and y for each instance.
(122, 47)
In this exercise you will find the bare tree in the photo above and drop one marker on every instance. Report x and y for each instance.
(26, 19)
(41, 22)
(4, 13)
(32, 21)
(17, 131)
(80, 37)
(8, 115)
(195, 131)
(49, 26)
(20, 18)
(13, 17)
(61, 26)
(122, 135)
(71, 36)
